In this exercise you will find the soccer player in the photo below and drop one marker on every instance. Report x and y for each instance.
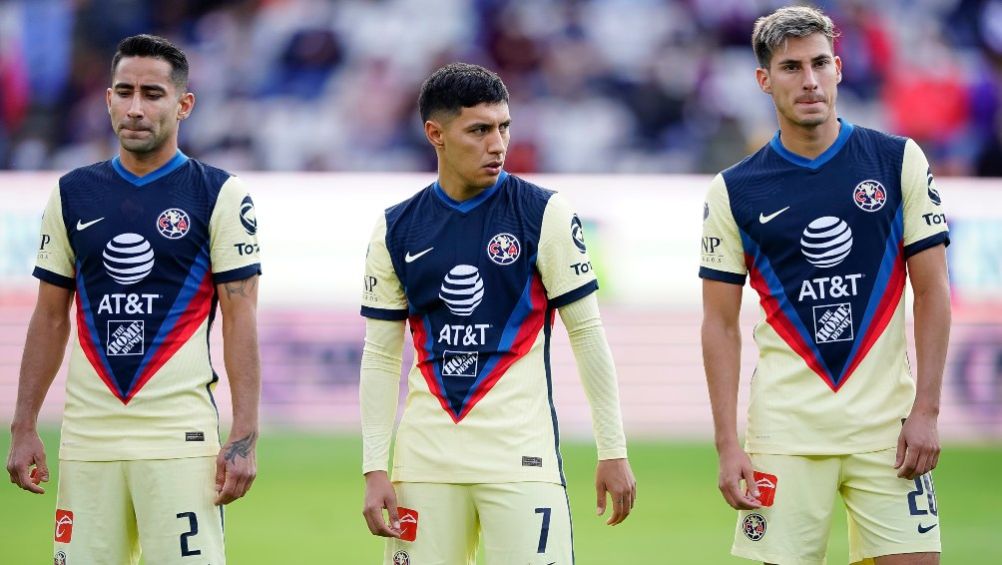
(826, 220)
(477, 263)
(146, 244)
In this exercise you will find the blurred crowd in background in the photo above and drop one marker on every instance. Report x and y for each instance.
(597, 86)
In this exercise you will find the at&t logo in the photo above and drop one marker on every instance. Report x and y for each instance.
(462, 290)
(826, 242)
(128, 258)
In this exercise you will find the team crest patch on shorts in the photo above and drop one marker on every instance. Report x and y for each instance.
(754, 526)
(401, 558)
(60, 558)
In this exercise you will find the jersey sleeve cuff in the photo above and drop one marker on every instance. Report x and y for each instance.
(574, 295)
(722, 276)
(237, 274)
(612, 453)
(931, 241)
(54, 278)
(384, 314)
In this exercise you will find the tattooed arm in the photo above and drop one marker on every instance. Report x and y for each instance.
(236, 465)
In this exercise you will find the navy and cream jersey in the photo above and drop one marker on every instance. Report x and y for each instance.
(824, 244)
(143, 255)
(478, 282)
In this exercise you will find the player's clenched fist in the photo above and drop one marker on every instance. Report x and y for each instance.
(26, 452)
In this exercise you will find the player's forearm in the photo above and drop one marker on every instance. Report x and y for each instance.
(598, 374)
(243, 370)
(932, 334)
(722, 362)
(379, 387)
(43, 354)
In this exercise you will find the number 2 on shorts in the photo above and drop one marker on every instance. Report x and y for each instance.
(923, 485)
(192, 531)
(544, 529)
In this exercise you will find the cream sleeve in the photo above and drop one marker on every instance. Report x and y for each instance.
(598, 374)
(379, 389)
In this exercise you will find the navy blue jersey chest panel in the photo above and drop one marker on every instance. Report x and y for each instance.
(142, 259)
(824, 243)
(467, 308)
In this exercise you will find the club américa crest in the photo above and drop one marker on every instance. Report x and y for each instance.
(401, 558)
(869, 195)
(173, 223)
(754, 526)
(504, 249)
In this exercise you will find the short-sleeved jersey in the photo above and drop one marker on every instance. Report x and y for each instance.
(824, 243)
(478, 282)
(143, 255)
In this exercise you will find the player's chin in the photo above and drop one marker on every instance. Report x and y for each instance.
(134, 145)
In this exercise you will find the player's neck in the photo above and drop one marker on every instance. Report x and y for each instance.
(808, 142)
(456, 189)
(141, 164)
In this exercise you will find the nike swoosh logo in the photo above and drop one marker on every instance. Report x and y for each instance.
(762, 218)
(408, 258)
(923, 530)
(81, 226)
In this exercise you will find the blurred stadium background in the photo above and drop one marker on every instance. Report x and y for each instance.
(625, 105)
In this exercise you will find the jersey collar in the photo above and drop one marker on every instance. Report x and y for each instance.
(167, 168)
(814, 164)
(467, 205)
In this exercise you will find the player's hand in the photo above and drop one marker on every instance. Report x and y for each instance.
(918, 446)
(26, 461)
(236, 467)
(379, 494)
(735, 466)
(614, 476)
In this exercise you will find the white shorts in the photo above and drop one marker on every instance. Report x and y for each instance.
(887, 515)
(523, 523)
(110, 512)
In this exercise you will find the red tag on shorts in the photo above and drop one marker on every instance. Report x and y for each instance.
(64, 526)
(408, 523)
(766, 484)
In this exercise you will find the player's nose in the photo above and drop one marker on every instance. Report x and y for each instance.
(135, 107)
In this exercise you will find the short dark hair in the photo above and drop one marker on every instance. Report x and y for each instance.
(792, 21)
(457, 86)
(145, 45)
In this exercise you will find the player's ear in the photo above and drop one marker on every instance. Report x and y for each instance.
(185, 105)
(107, 99)
(838, 69)
(435, 133)
(763, 79)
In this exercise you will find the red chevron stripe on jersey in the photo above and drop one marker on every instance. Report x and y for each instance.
(422, 345)
(189, 322)
(885, 311)
(524, 339)
(89, 344)
(784, 326)
(525, 336)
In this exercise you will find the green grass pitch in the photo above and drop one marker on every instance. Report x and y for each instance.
(305, 507)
